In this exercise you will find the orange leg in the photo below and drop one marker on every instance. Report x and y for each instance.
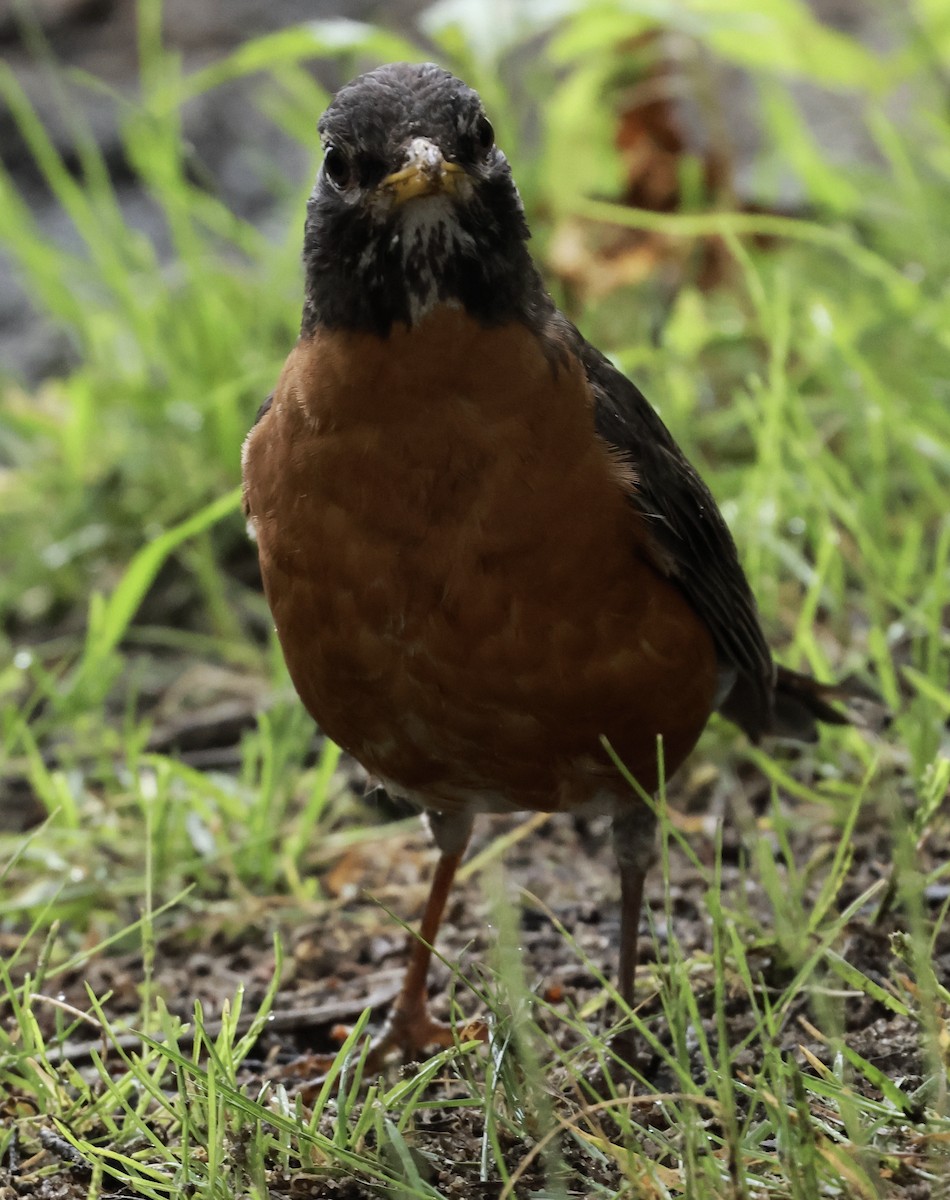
(410, 1027)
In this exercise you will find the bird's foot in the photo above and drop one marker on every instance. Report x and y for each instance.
(408, 1032)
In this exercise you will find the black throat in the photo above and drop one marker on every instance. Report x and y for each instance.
(368, 277)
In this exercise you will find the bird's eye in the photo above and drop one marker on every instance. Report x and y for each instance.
(484, 134)
(336, 166)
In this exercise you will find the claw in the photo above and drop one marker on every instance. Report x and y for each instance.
(408, 1033)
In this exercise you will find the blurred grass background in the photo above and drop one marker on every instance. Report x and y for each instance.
(786, 310)
(811, 386)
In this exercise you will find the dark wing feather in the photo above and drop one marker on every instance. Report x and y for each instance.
(691, 541)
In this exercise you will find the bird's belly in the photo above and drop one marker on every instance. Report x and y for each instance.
(462, 607)
(483, 668)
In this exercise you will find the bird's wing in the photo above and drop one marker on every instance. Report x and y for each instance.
(690, 541)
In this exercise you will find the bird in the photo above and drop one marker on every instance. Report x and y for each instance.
(487, 560)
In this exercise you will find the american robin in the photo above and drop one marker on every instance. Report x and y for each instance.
(483, 550)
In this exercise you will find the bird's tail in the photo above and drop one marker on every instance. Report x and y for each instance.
(801, 702)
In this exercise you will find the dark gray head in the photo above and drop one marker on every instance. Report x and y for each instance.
(414, 206)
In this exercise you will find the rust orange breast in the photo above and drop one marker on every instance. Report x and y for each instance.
(455, 572)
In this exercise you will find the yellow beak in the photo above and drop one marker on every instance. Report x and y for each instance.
(426, 173)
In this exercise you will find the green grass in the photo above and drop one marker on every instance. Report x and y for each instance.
(171, 1112)
(811, 389)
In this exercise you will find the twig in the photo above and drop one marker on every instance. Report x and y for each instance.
(280, 1022)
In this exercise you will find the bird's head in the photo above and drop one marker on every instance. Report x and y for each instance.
(414, 206)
